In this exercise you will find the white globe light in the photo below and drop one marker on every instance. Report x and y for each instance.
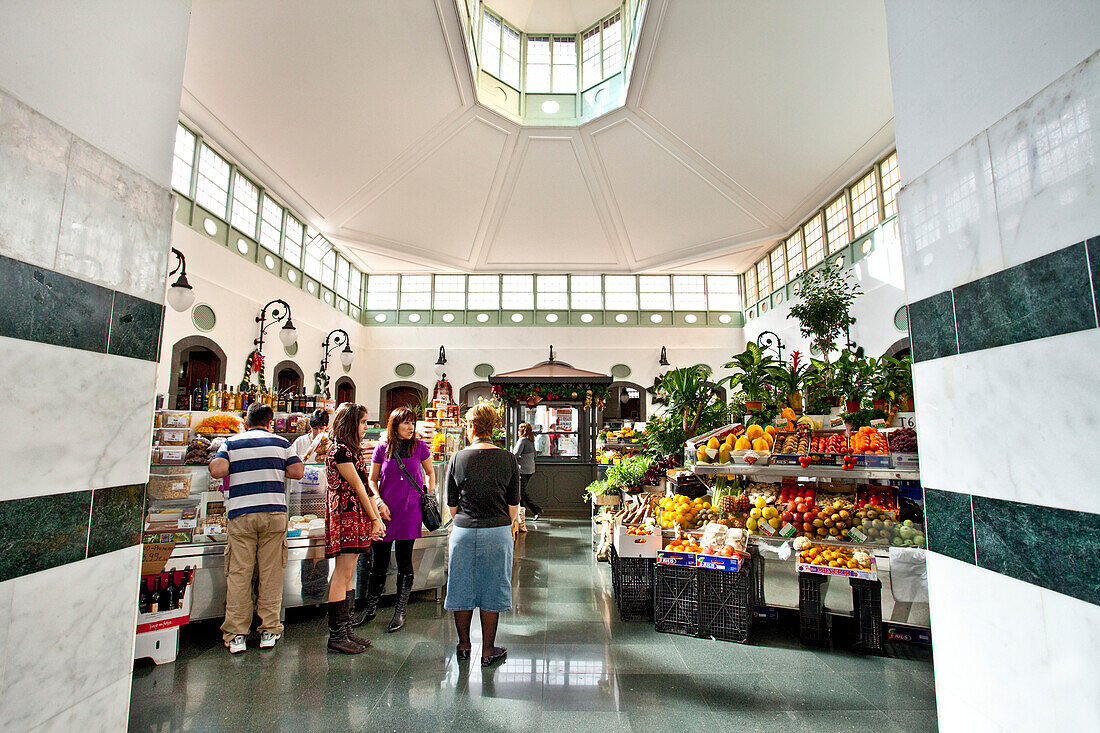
(180, 297)
(439, 369)
(346, 356)
(288, 334)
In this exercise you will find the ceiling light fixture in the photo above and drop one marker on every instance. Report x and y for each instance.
(181, 295)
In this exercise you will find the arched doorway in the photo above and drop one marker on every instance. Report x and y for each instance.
(345, 391)
(626, 402)
(472, 392)
(399, 394)
(720, 391)
(288, 376)
(899, 348)
(196, 361)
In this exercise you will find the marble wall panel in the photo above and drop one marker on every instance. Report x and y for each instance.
(1046, 296)
(106, 711)
(33, 164)
(1093, 250)
(1046, 166)
(115, 225)
(1010, 456)
(6, 590)
(948, 223)
(72, 630)
(116, 519)
(100, 408)
(135, 327)
(990, 647)
(1071, 626)
(932, 327)
(42, 532)
(41, 305)
(949, 524)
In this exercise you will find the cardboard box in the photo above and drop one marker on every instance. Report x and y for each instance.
(154, 556)
(717, 562)
(147, 622)
(872, 460)
(871, 574)
(673, 557)
(905, 460)
(629, 545)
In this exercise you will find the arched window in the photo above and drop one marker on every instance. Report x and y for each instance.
(345, 391)
(289, 376)
(626, 402)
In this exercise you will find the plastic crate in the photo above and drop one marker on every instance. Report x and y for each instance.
(756, 566)
(632, 585)
(726, 604)
(867, 614)
(676, 600)
(813, 618)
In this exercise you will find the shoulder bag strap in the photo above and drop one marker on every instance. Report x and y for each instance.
(401, 462)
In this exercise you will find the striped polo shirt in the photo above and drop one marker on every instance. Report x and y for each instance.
(257, 471)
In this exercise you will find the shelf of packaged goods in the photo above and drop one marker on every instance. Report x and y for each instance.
(774, 472)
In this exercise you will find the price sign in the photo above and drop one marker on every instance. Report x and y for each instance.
(766, 528)
(836, 422)
(857, 536)
(780, 421)
(878, 422)
(787, 530)
(907, 420)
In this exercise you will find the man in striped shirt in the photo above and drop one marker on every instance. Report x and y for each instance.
(257, 464)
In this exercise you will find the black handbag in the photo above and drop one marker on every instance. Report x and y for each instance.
(429, 507)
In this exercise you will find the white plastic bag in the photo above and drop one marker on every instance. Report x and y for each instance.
(908, 575)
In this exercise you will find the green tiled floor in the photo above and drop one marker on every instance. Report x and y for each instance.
(572, 666)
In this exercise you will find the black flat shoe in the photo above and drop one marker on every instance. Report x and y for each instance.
(462, 654)
(494, 658)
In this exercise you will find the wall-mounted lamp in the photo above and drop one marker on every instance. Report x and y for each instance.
(336, 337)
(441, 363)
(181, 295)
(770, 339)
(662, 364)
(287, 334)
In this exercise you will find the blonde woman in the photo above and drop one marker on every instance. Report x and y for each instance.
(524, 450)
(483, 497)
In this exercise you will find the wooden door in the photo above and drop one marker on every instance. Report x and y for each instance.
(400, 397)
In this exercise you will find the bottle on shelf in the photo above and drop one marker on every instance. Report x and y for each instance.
(156, 595)
(143, 597)
(216, 398)
(168, 591)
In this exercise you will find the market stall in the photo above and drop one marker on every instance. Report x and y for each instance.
(561, 404)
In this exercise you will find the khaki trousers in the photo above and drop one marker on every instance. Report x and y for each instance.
(257, 546)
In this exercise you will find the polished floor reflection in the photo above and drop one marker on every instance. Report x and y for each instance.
(572, 666)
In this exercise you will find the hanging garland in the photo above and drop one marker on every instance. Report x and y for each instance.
(253, 364)
(532, 394)
(320, 383)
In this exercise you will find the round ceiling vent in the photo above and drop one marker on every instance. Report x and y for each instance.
(484, 370)
(901, 318)
(620, 371)
(203, 317)
(404, 370)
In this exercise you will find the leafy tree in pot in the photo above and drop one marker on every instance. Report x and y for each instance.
(824, 306)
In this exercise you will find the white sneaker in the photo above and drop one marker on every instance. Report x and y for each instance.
(237, 644)
(267, 639)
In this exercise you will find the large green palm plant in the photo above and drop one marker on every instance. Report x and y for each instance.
(686, 392)
(756, 372)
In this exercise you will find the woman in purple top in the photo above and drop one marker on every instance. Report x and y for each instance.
(400, 469)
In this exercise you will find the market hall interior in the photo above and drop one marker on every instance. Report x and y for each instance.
(988, 110)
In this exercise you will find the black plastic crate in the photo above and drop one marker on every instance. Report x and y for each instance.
(676, 600)
(813, 617)
(726, 603)
(632, 585)
(757, 568)
(867, 614)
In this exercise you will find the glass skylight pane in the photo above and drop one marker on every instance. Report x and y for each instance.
(483, 292)
(509, 57)
(212, 188)
(836, 222)
(450, 292)
(382, 292)
(490, 43)
(552, 292)
(328, 269)
(813, 232)
(342, 277)
(590, 55)
(689, 292)
(891, 182)
(586, 292)
(271, 224)
(763, 277)
(416, 292)
(778, 260)
(724, 292)
(355, 287)
(518, 292)
(246, 204)
(751, 290)
(538, 64)
(620, 292)
(565, 65)
(292, 241)
(315, 252)
(612, 45)
(183, 160)
(795, 261)
(864, 205)
(654, 292)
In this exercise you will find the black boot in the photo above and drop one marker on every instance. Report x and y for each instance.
(367, 613)
(352, 635)
(338, 627)
(404, 588)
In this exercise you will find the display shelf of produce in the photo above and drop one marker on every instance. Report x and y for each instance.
(635, 446)
(832, 472)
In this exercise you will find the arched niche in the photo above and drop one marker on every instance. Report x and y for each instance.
(288, 375)
(469, 394)
(720, 391)
(195, 359)
(344, 390)
(899, 348)
(398, 394)
(633, 408)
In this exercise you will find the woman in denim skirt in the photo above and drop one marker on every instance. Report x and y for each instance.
(483, 497)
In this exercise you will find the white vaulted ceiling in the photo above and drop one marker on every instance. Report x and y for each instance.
(741, 118)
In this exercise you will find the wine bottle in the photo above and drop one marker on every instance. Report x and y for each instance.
(143, 597)
(168, 592)
(156, 596)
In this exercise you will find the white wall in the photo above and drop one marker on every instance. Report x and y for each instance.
(236, 289)
(880, 276)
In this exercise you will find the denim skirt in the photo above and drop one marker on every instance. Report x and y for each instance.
(479, 574)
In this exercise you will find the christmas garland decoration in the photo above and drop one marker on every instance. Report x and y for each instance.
(320, 383)
(532, 393)
(253, 364)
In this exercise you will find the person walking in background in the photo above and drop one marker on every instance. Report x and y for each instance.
(311, 447)
(258, 464)
(483, 497)
(351, 522)
(401, 468)
(524, 449)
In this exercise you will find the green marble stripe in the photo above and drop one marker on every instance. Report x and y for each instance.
(932, 327)
(49, 307)
(948, 524)
(42, 532)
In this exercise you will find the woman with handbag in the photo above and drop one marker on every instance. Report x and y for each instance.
(401, 472)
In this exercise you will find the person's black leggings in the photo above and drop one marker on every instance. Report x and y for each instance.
(525, 498)
(404, 552)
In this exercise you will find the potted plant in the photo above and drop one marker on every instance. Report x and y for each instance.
(824, 306)
(852, 375)
(756, 372)
(602, 493)
(789, 381)
(902, 381)
(687, 392)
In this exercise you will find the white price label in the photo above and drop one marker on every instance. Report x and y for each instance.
(787, 530)
(836, 422)
(878, 422)
(856, 535)
(766, 528)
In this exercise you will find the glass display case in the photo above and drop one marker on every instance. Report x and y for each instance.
(557, 430)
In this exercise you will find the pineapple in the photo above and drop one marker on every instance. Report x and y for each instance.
(727, 503)
(741, 503)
